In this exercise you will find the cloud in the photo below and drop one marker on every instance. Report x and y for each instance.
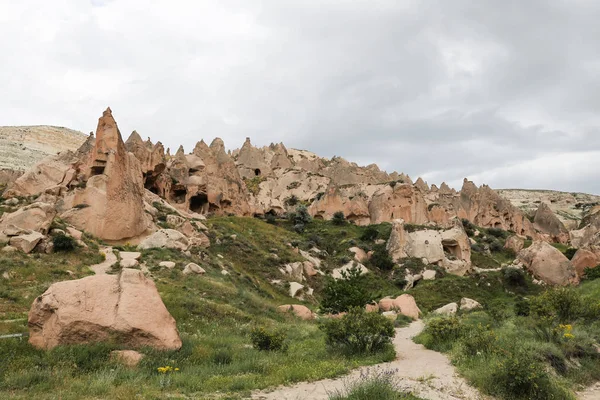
(496, 91)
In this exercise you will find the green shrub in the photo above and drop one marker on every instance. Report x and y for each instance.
(222, 357)
(263, 339)
(359, 331)
(496, 246)
(63, 243)
(381, 259)
(559, 305)
(373, 385)
(299, 228)
(514, 277)
(441, 333)
(270, 218)
(340, 295)
(369, 234)
(300, 216)
(479, 339)
(338, 218)
(497, 232)
(591, 273)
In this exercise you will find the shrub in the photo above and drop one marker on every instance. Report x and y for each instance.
(381, 259)
(479, 339)
(299, 228)
(563, 305)
(522, 307)
(263, 339)
(369, 234)
(338, 218)
(63, 243)
(441, 333)
(222, 357)
(300, 216)
(372, 384)
(359, 331)
(514, 277)
(570, 252)
(591, 273)
(496, 246)
(292, 200)
(342, 294)
(497, 232)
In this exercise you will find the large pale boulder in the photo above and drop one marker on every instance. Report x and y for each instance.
(35, 217)
(124, 307)
(407, 305)
(27, 242)
(298, 310)
(165, 239)
(467, 304)
(547, 222)
(359, 254)
(456, 242)
(192, 268)
(583, 259)
(548, 264)
(338, 273)
(448, 309)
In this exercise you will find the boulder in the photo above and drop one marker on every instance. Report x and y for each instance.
(76, 234)
(359, 254)
(299, 311)
(124, 307)
(166, 239)
(26, 243)
(386, 304)
(129, 258)
(407, 305)
(167, 264)
(372, 308)
(547, 263)
(338, 273)
(309, 269)
(467, 304)
(192, 268)
(295, 288)
(583, 259)
(547, 222)
(514, 243)
(448, 309)
(129, 358)
(391, 315)
(429, 275)
(35, 217)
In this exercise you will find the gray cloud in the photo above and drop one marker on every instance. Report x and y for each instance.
(505, 93)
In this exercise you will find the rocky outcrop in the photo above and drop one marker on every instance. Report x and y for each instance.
(403, 201)
(165, 239)
(449, 248)
(111, 206)
(35, 217)
(583, 259)
(103, 307)
(298, 310)
(546, 222)
(548, 264)
(514, 243)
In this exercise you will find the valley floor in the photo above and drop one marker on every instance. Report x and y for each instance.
(424, 373)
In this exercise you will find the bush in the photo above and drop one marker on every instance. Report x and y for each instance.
(300, 216)
(381, 259)
(441, 333)
(342, 294)
(299, 228)
(369, 234)
(263, 339)
(591, 273)
(372, 384)
(496, 246)
(338, 218)
(359, 331)
(63, 243)
(497, 232)
(222, 357)
(479, 339)
(563, 305)
(270, 218)
(514, 277)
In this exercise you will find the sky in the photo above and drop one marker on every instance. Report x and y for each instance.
(505, 93)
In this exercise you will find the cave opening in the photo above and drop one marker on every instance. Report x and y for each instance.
(179, 195)
(257, 172)
(97, 170)
(199, 203)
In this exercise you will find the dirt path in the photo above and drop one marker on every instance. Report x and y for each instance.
(591, 393)
(423, 372)
(111, 259)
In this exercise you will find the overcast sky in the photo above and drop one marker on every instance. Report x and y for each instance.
(503, 92)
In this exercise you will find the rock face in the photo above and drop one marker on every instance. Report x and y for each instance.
(103, 307)
(548, 264)
(514, 243)
(298, 310)
(546, 221)
(407, 305)
(165, 239)
(35, 217)
(111, 206)
(449, 248)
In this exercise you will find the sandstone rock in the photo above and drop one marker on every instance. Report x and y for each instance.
(26, 243)
(175, 220)
(400, 202)
(129, 258)
(448, 309)
(167, 264)
(429, 275)
(514, 243)
(583, 259)
(35, 217)
(467, 304)
(192, 268)
(299, 311)
(359, 254)
(114, 192)
(126, 307)
(372, 308)
(294, 270)
(546, 221)
(456, 242)
(129, 358)
(548, 264)
(165, 238)
(9, 249)
(407, 305)
(309, 269)
(386, 304)
(338, 273)
(295, 289)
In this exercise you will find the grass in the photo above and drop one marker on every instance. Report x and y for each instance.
(373, 384)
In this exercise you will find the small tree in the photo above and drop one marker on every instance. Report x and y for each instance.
(370, 234)
(342, 294)
(381, 258)
(63, 243)
(339, 218)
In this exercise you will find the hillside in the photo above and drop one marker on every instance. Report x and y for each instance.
(23, 146)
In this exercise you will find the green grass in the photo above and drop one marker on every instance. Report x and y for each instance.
(373, 384)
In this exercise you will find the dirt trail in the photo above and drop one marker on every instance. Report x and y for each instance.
(111, 259)
(423, 372)
(591, 393)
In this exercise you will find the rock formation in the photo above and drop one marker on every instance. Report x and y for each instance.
(546, 222)
(548, 264)
(103, 307)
